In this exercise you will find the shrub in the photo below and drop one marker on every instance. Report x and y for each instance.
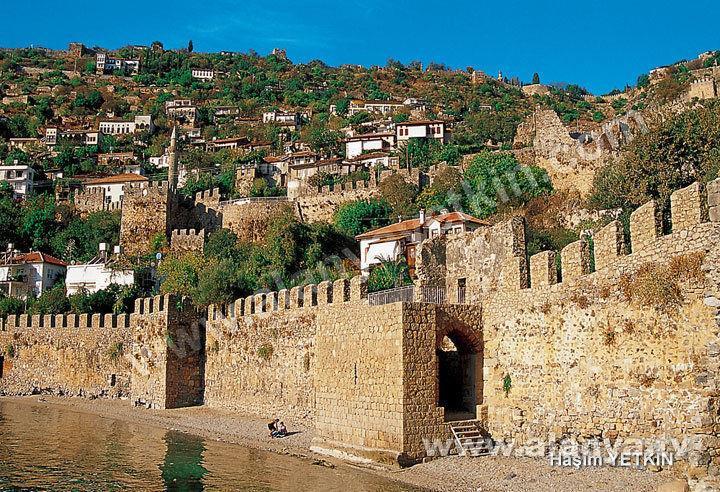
(115, 351)
(265, 351)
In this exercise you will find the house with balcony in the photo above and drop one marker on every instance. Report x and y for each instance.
(401, 240)
(204, 74)
(426, 129)
(20, 178)
(369, 142)
(24, 275)
(105, 64)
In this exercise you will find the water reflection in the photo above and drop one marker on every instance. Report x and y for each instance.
(183, 469)
(43, 447)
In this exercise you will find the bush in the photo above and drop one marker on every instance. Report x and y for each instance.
(389, 274)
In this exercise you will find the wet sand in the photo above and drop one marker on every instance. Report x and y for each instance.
(487, 474)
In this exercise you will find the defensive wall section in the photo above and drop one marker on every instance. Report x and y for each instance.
(152, 356)
(619, 342)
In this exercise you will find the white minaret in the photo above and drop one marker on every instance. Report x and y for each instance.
(172, 160)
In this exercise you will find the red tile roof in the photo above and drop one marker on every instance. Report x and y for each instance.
(36, 257)
(412, 224)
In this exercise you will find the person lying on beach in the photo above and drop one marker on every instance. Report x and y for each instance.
(272, 427)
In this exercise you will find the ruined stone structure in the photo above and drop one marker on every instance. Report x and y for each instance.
(572, 160)
(244, 178)
(620, 342)
(249, 218)
(92, 200)
(703, 88)
(319, 204)
(187, 240)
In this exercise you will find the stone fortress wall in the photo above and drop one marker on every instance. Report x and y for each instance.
(585, 357)
(587, 353)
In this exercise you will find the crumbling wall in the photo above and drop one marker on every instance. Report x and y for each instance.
(187, 240)
(249, 219)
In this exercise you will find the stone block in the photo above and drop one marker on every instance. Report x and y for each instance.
(543, 271)
(688, 207)
(609, 244)
(324, 293)
(575, 260)
(645, 226)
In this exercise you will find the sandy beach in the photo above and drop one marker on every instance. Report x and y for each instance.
(454, 473)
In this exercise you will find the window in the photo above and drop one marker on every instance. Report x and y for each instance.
(461, 290)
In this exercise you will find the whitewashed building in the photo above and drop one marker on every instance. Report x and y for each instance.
(430, 129)
(114, 186)
(23, 275)
(97, 274)
(20, 178)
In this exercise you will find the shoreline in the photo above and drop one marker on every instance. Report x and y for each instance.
(452, 473)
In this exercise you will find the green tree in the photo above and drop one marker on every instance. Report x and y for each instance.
(536, 78)
(400, 195)
(497, 178)
(389, 274)
(190, 46)
(446, 192)
(360, 216)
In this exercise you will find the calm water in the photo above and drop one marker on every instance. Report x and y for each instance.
(55, 449)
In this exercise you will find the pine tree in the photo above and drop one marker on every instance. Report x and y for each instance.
(190, 46)
(536, 79)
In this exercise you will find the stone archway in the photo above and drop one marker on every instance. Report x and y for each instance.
(459, 372)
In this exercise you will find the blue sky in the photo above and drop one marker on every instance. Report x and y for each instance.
(598, 44)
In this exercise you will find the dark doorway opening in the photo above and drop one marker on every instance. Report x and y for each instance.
(459, 366)
(2, 365)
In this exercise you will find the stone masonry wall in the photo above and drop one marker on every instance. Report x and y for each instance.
(600, 354)
(249, 220)
(148, 210)
(65, 354)
(187, 240)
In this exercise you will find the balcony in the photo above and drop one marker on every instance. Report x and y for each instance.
(411, 293)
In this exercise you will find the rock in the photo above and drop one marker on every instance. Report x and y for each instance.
(712, 302)
(674, 486)
(510, 476)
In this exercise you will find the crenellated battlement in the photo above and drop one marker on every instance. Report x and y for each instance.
(144, 306)
(297, 298)
(147, 187)
(689, 207)
(208, 195)
(74, 321)
(153, 305)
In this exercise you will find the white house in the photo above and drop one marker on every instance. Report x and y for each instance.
(20, 178)
(182, 109)
(106, 64)
(367, 161)
(402, 238)
(434, 129)
(97, 274)
(115, 185)
(283, 118)
(204, 74)
(29, 274)
(80, 137)
(119, 126)
(369, 142)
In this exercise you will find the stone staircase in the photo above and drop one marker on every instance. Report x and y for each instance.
(470, 438)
